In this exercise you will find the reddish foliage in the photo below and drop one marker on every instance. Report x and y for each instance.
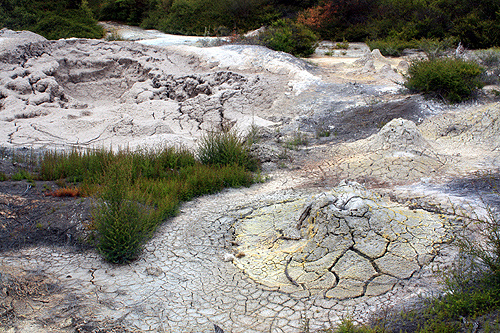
(65, 192)
(316, 17)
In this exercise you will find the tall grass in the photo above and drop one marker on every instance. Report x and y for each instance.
(226, 148)
(137, 190)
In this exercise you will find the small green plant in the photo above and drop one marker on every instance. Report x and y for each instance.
(343, 45)
(122, 222)
(436, 48)
(3, 177)
(322, 132)
(453, 80)
(253, 135)
(113, 36)
(22, 174)
(297, 140)
(490, 60)
(348, 326)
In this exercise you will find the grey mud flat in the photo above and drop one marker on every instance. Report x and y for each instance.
(182, 283)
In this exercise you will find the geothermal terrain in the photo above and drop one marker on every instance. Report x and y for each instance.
(366, 186)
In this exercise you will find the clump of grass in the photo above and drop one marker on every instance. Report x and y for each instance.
(65, 192)
(490, 59)
(391, 47)
(344, 45)
(297, 140)
(23, 174)
(453, 80)
(3, 177)
(225, 148)
(436, 48)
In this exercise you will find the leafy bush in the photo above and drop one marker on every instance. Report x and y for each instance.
(22, 174)
(452, 79)
(291, 37)
(490, 60)
(66, 24)
(122, 222)
(436, 48)
(51, 19)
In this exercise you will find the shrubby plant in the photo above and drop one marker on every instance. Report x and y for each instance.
(436, 48)
(122, 222)
(291, 37)
(451, 79)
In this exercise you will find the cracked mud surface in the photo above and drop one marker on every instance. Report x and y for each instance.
(292, 252)
(182, 274)
(342, 244)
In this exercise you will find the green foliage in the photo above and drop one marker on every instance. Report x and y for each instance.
(225, 148)
(291, 37)
(218, 17)
(3, 177)
(298, 139)
(137, 190)
(490, 60)
(452, 79)
(436, 48)
(122, 222)
(486, 251)
(22, 174)
(66, 24)
(52, 19)
(347, 326)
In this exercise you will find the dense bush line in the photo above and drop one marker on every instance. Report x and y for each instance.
(476, 24)
(52, 19)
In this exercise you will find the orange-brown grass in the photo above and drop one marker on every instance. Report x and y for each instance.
(66, 192)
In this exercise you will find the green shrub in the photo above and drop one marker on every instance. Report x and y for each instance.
(22, 174)
(3, 177)
(490, 60)
(291, 37)
(436, 48)
(298, 139)
(122, 222)
(453, 80)
(225, 148)
(66, 24)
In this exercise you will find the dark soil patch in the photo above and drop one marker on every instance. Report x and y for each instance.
(360, 122)
(30, 217)
(486, 186)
